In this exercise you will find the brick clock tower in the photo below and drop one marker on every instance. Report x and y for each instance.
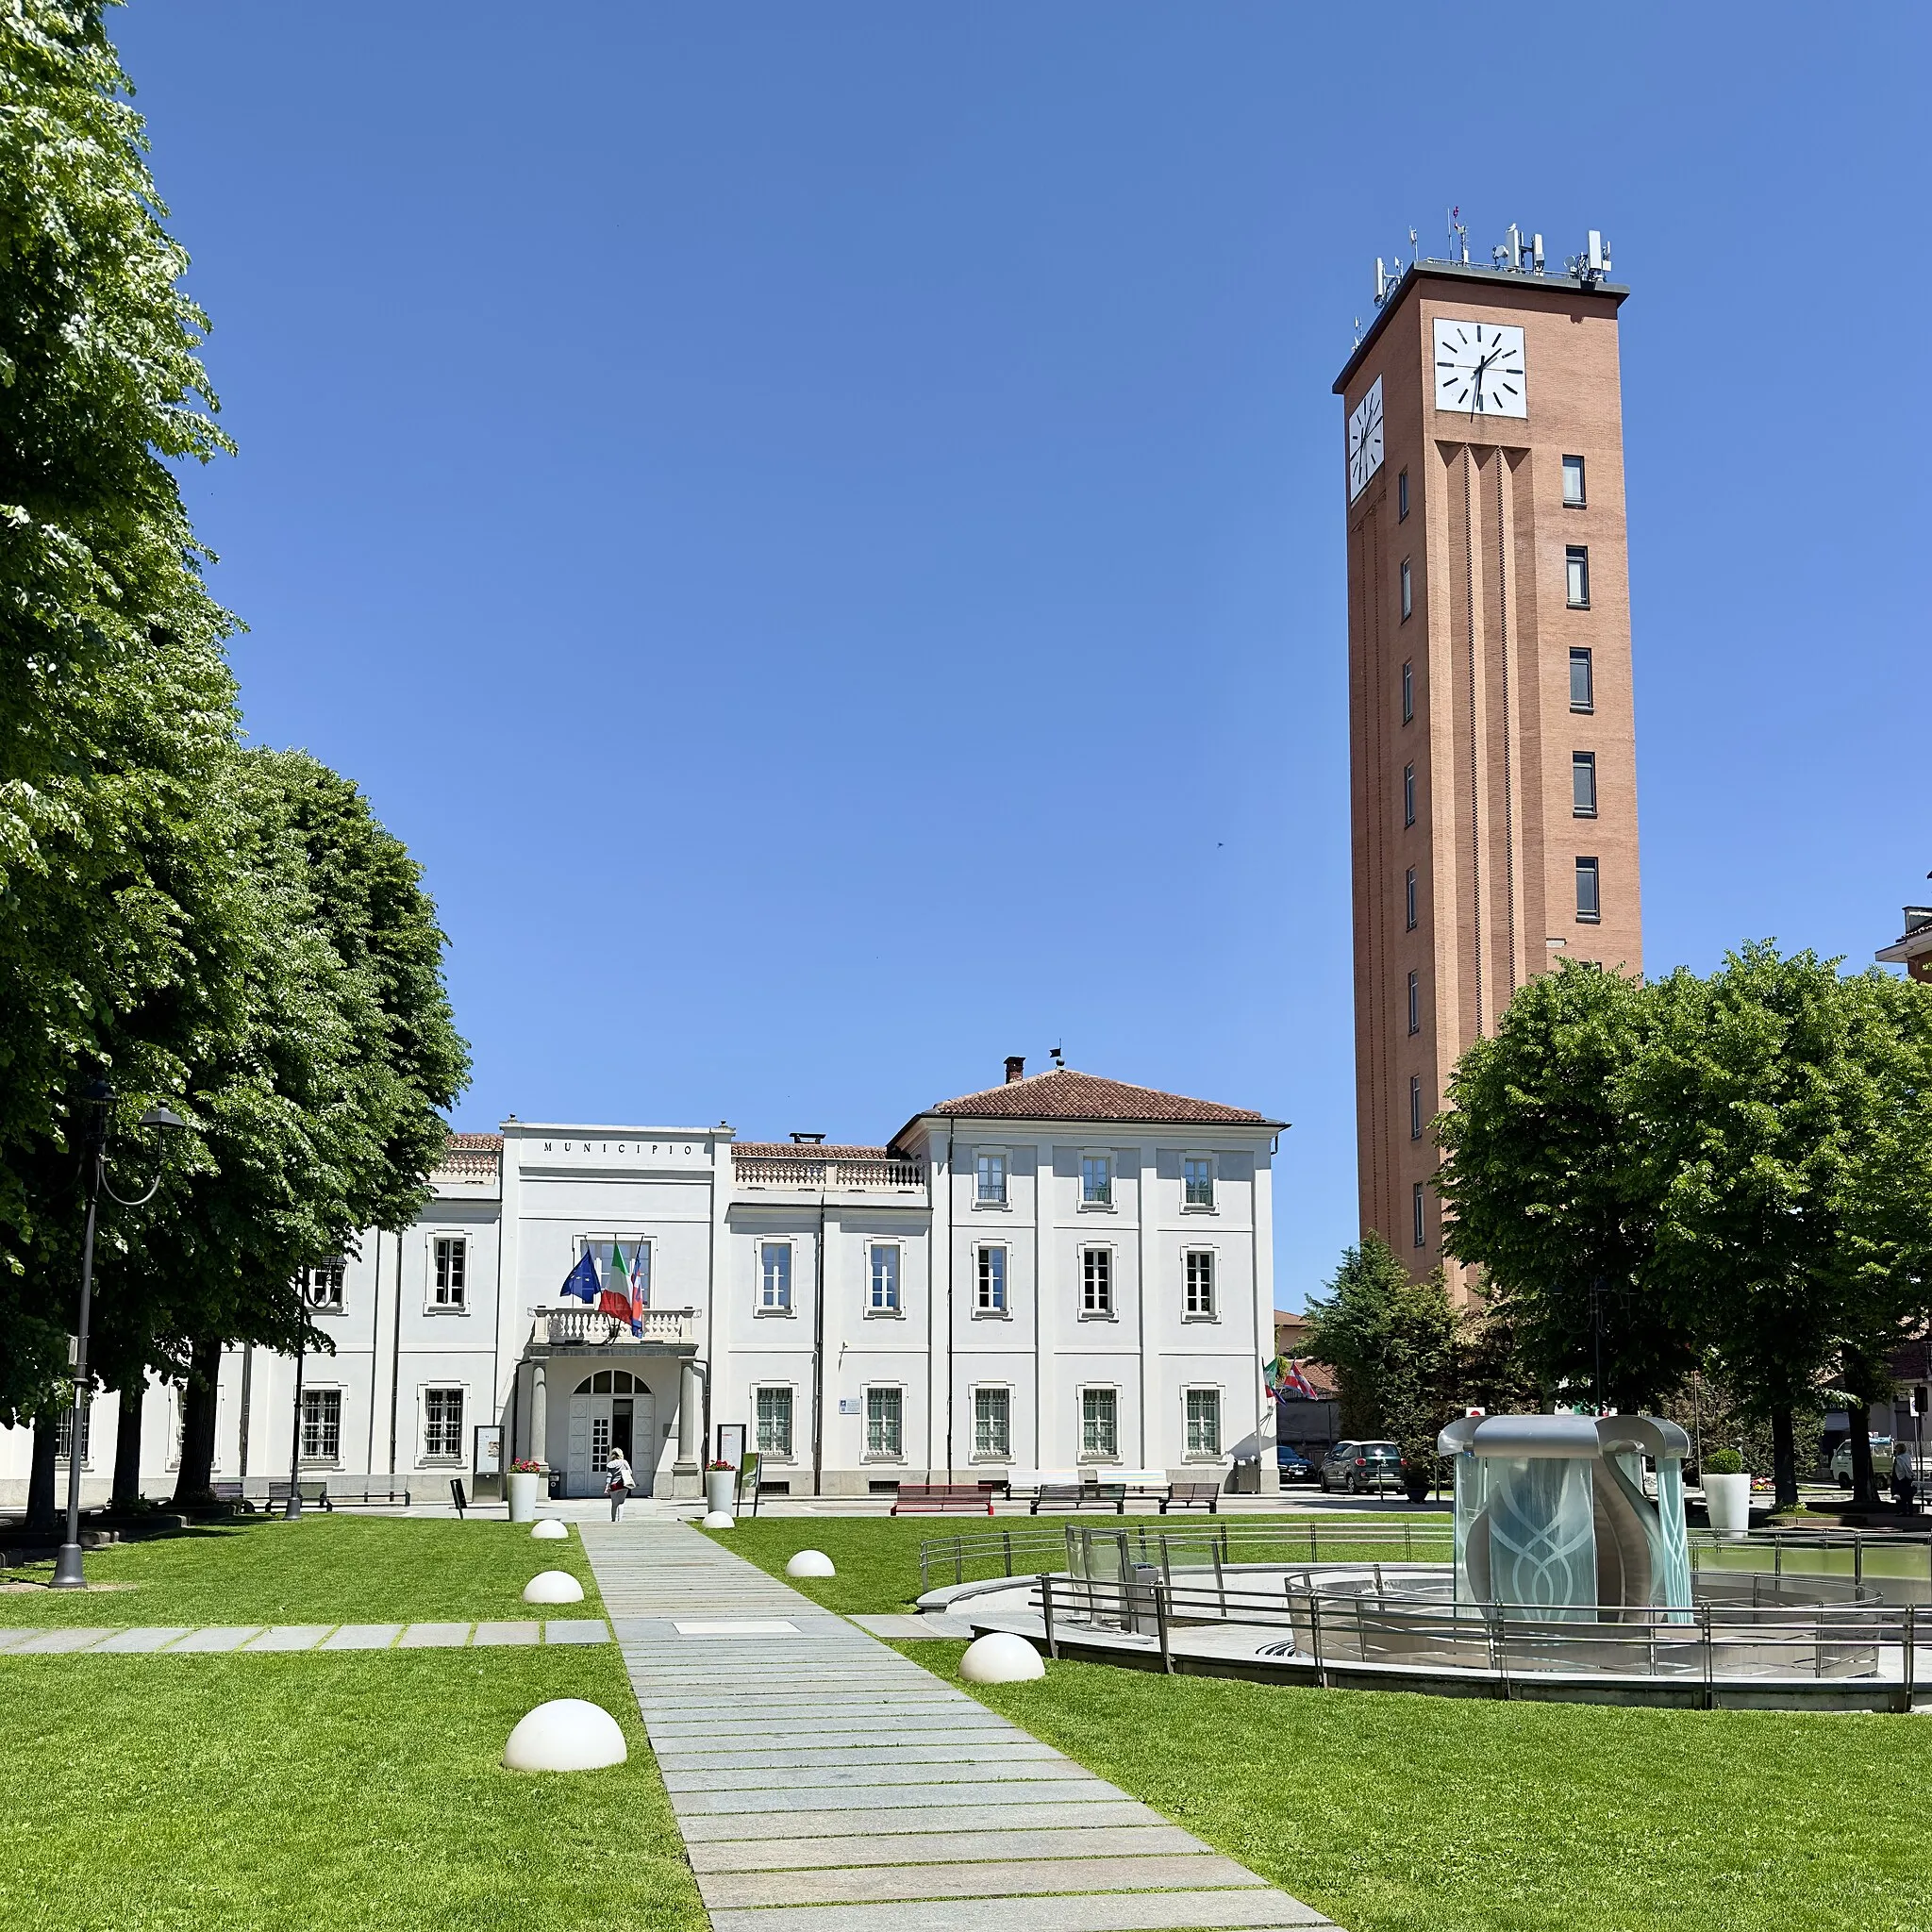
(1492, 738)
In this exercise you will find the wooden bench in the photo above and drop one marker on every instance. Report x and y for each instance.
(314, 1492)
(1078, 1496)
(919, 1498)
(1193, 1496)
(231, 1493)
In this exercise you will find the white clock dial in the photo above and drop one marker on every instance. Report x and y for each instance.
(1479, 369)
(1365, 440)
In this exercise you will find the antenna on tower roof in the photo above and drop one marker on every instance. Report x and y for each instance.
(1414, 247)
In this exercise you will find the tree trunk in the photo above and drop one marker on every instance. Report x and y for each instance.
(1784, 1459)
(1864, 1489)
(128, 1449)
(41, 1510)
(195, 1485)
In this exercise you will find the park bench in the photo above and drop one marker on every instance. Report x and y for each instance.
(918, 1498)
(1193, 1496)
(1079, 1496)
(315, 1490)
(231, 1493)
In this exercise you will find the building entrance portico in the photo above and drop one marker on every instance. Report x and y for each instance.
(610, 1409)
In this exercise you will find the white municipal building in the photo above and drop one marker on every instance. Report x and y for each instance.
(1062, 1273)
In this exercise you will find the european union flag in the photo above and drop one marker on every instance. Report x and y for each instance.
(582, 1280)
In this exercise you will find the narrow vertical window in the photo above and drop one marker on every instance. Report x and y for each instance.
(1415, 1004)
(1100, 1435)
(1408, 591)
(1204, 1421)
(1589, 904)
(1197, 1181)
(452, 1270)
(1573, 483)
(63, 1432)
(991, 1274)
(1583, 784)
(884, 1423)
(992, 1424)
(1409, 693)
(442, 1425)
(775, 1276)
(1415, 1107)
(1421, 1233)
(321, 1425)
(885, 1278)
(1582, 684)
(989, 1181)
(1096, 1180)
(1400, 495)
(1408, 794)
(774, 1422)
(1096, 1281)
(1408, 897)
(1200, 1280)
(1576, 576)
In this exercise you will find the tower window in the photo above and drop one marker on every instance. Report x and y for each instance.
(1408, 794)
(1408, 889)
(1417, 1211)
(1588, 902)
(1573, 483)
(1415, 991)
(1408, 591)
(1415, 1107)
(1577, 568)
(1583, 784)
(1408, 693)
(1582, 683)
(1400, 495)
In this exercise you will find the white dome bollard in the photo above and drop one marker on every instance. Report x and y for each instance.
(1002, 1657)
(567, 1734)
(719, 1519)
(810, 1563)
(549, 1530)
(553, 1587)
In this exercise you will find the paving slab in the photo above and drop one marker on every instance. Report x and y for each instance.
(1009, 1878)
(363, 1637)
(916, 1750)
(737, 1626)
(881, 1828)
(889, 1795)
(899, 1627)
(576, 1630)
(57, 1642)
(12, 1640)
(707, 1738)
(1140, 1912)
(144, 1637)
(511, 1632)
(940, 1848)
(434, 1636)
(220, 1637)
(290, 1636)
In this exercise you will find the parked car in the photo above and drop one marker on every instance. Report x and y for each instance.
(1359, 1467)
(1294, 1465)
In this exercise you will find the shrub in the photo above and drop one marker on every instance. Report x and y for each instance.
(1723, 1462)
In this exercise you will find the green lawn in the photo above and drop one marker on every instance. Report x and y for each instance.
(878, 1557)
(323, 1568)
(1398, 1813)
(326, 1790)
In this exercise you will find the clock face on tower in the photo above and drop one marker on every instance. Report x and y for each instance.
(1479, 369)
(1364, 439)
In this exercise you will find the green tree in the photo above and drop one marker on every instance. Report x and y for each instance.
(116, 705)
(1552, 1194)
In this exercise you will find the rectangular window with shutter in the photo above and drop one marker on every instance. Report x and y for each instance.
(442, 1425)
(1589, 901)
(1204, 1421)
(993, 1418)
(990, 1276)
(1096, 1281)
(1100, 1435)
(884, 1423)
(452, 1271)
(774, 1422)
(1199, 1263)
(321, 1425)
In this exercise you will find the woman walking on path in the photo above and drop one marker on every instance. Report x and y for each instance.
(619, 1484)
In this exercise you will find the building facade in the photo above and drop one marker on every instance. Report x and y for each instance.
(1060, 1273)
(1492, 728)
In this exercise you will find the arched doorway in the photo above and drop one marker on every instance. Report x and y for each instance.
(610, 1409)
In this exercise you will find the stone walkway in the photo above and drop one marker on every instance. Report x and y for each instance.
(824, 1783)
(173, 1639)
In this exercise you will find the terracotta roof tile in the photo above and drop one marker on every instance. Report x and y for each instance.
(793, 1150)
(1066, 1095)
(479, 1143)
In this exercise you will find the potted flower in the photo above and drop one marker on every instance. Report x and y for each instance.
(1420, 1470)
(720, 1486)
(525, 1476)
(1727, 1492)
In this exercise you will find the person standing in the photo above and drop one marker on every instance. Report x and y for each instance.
(618, 1482)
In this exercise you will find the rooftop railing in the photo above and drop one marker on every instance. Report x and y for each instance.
(809, 1170)
(565, 1325)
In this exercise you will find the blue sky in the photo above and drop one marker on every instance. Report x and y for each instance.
(822, 525)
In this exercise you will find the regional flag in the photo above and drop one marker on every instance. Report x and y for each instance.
(582, 1280)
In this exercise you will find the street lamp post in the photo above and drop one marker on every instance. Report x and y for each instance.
(68, 1574)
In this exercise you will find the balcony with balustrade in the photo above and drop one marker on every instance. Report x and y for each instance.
(568, 1330)
(805, 1172)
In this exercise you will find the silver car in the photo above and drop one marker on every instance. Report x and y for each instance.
(1359, 1467)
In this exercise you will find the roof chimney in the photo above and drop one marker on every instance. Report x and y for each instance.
(1016, 1068)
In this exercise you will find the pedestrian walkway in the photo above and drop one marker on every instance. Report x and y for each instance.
(824, 1783)
(174, 1640)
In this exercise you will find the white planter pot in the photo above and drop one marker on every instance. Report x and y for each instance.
(1728, 1499)
(721, 1490)
(523, 1495)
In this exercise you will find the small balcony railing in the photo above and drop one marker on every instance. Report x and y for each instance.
(786, 1171)
(563, 1325)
